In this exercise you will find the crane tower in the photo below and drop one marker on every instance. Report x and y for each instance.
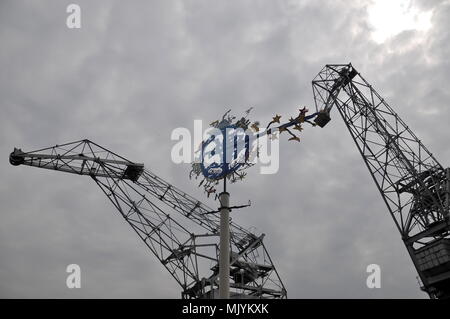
(414, 186)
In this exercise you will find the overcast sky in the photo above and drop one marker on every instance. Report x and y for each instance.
(138, 69)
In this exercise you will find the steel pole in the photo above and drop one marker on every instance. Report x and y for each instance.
(447, 199)
(224, 255)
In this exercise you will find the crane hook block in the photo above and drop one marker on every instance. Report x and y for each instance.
(322, 118)
(15, 158)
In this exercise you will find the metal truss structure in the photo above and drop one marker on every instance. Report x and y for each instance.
(414, 186)
(181, 232)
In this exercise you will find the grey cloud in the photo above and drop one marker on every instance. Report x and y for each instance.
(136, 71)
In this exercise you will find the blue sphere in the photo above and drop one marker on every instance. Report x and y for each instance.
(218, 148)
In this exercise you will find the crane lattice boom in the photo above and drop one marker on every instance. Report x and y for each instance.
(186, 240)
(414, 186)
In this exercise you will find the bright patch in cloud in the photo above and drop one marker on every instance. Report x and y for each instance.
(390, 17)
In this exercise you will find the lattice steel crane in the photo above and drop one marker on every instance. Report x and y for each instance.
(414, 186)
(185, 241)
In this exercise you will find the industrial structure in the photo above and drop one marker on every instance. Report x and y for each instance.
(181, 232)
(413, 185)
